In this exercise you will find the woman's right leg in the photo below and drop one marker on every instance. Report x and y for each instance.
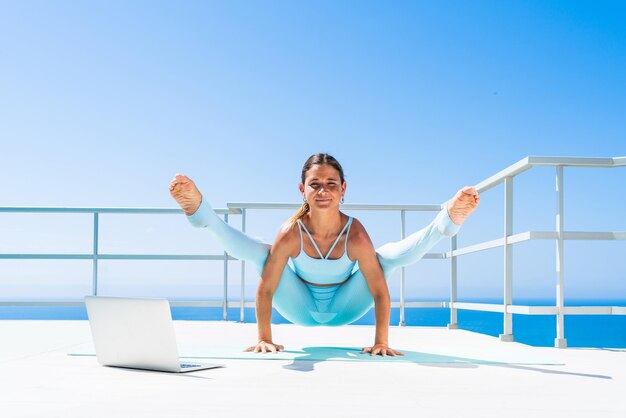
(234, 242)
(292, 298)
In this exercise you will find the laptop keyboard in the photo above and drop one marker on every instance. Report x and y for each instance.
(187, 365)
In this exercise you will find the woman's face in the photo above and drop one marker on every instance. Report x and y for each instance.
(322, 187)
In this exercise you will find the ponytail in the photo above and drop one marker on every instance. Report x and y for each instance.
(301, 213)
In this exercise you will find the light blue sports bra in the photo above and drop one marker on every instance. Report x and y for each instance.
(324, 271)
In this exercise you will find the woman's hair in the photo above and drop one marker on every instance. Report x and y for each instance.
(315, 159)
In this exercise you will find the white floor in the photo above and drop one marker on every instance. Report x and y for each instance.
(38, 379)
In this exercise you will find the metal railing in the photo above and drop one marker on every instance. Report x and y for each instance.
(96, 256)
(506, 176)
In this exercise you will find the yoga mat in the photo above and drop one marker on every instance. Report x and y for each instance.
(352, 354)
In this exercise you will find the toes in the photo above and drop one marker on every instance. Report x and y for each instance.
(180, 178)
(468, 191)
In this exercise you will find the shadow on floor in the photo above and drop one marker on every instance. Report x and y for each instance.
(307, 358)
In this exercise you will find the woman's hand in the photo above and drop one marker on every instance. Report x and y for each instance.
(382, 349)
(265, 347)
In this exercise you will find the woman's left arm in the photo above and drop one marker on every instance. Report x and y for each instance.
(369, 265)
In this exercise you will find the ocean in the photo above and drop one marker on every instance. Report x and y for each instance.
(595, 331)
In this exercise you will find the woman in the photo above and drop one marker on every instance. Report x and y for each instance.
(323, 287)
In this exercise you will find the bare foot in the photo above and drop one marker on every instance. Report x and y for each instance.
(185, 192)
(462, 204)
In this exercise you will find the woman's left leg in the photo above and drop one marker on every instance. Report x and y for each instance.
(353, 299)
(411, 249)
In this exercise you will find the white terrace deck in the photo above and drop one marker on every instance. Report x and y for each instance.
(38, 379)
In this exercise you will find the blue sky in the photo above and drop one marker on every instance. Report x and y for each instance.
(101, 103)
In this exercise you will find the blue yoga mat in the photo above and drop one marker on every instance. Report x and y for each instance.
(342, 354)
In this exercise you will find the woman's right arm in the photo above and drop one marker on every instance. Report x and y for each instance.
(270, 277)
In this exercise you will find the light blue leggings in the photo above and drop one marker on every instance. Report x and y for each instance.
(351, 300)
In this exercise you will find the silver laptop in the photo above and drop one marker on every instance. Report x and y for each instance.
(136, 333)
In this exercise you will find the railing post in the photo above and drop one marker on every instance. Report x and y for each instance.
(94, 284)
(453, 284)
(402, 273)
(225, 312)
(243, 270)
(507, 334)
(559, 341)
